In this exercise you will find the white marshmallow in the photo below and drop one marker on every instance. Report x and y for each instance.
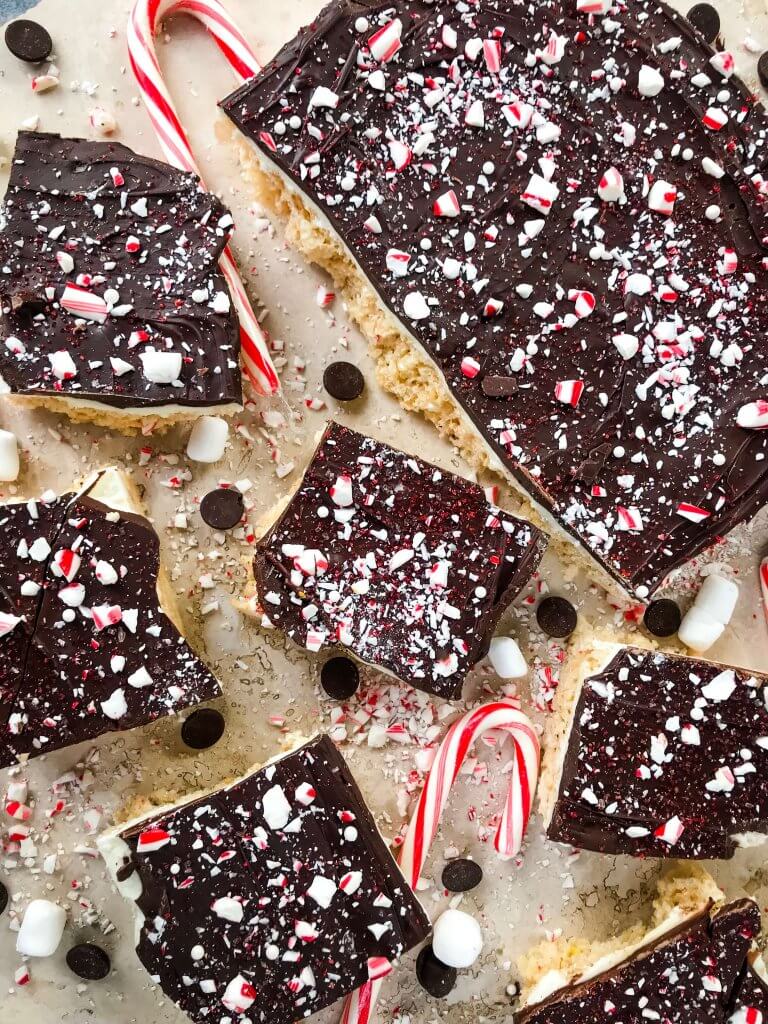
(42, 929)
(208, 439)
(705, 621)
(507, 658)
(457, 940)
(9, 456)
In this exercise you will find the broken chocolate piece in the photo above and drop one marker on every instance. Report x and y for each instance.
(3, 897)
(573, 201)
(404, 564)
(664, 756)
(89, 962)
(203, 728)
(340, 678)
(88, 640)
(111, 300)
(499, 387)
(292, 845)
(434, 976)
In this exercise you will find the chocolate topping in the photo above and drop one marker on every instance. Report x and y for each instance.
(222, 509)
(460, 152)
(85, 647)
(109, 288)
(405, 564)
(692, 975)
(276, 893)
(667, 757)
(28, 41)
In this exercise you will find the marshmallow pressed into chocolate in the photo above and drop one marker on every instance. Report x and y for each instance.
(272, 897)
(698, 972)
(663, 756)
(109, 287)
(564, 205)
(86, 642)
(403, 564)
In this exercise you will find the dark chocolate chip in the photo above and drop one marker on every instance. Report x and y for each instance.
(556, 616)
(222, 509)
(705, 18)
(28, 41)
(499, 387)
(88, 962)
(433, 975)
(462, 875)
(3, 897)
(343, 381)
(762, 68)
(340, 678)
(203, 728)
(663, 617)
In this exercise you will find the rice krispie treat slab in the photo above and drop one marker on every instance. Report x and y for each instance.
(653, 754)
(271, 898)
(404, 565)
(690, 966)
(112, 307)
(90, 635)
(559, 208)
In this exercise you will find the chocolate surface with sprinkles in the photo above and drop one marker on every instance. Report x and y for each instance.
(573, 200)
(292, 848)
(407, 566)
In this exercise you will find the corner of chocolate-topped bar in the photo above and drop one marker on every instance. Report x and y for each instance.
(90, 631)
(552, 271)
(297, 827)
(112, 306)
(656, 754)
(405, 566)
(689, 966)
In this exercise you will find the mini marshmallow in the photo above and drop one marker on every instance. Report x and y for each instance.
(705, 621)
(457, 940)
(42, 929)
(507, 658)
(9, 456)
(208, 439)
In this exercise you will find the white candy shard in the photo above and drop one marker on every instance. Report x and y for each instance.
(102, 121)
(753, 415)
(650, 81)
(160, 367)
(9, 456)
(208, 439)
(42, 929)
(115, 705)
(507, 658)
(611, 186)
(228, 908)
(415, 306)
(276, 809)
(457, 940)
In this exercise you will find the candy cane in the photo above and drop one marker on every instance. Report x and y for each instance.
(502, 716)
(142, 27)
(764, 585)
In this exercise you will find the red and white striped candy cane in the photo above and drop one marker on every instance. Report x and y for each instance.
(142, 26)
(501, 716)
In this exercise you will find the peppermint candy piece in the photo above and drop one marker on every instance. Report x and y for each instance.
(8, 623)
(152, 839)
(569, 391)
(239, 995)
(540, 194)
(446, 205)
(753, 415)
(692, 512)
(611, 187)
(662, 198)
(671, 831)
(650, 81)
(84, 304)
(385, 43)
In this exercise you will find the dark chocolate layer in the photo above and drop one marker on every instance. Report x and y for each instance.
(312, 900)
(667, 757)
(89, 651)
(694, 975)
(602, 349)
(141, 242)
(405, 565)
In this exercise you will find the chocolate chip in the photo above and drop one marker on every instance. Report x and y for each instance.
(462, 875)
(556, 616)
(499, 387)
(340, 678)
(3, 897)
(343, 381)
(663, 617)
(28, 41)
(762, 68)
(88, 962)
(705, 18)
(203, 728)
(223, 508)
(433, 975)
